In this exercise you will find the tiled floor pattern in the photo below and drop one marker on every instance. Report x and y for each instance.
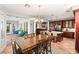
(67, 46)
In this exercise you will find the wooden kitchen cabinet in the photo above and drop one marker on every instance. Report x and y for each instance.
(64, 24)
(68, 34)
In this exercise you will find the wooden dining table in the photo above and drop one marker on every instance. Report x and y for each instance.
(30, 43)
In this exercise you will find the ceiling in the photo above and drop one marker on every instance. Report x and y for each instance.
(48, 11)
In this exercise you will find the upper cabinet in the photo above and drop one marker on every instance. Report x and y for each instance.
(55, 25)
(68, 24)
(51, 26)
(71, 24)
(64, 24)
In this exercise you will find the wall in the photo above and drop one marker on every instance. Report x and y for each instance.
(2, 31)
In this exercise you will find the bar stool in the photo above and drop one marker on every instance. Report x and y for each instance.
(60, 37)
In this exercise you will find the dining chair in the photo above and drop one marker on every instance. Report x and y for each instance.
(35, 50)
(49, 40)
(33, 34)
(26, 36)
(45, 49)
(31, 50)
(29, 35)
(41, 32)
(46, 33)
(41, 47)
(49, 33)
(16, 48)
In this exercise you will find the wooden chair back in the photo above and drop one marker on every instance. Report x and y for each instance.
(16, 48)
